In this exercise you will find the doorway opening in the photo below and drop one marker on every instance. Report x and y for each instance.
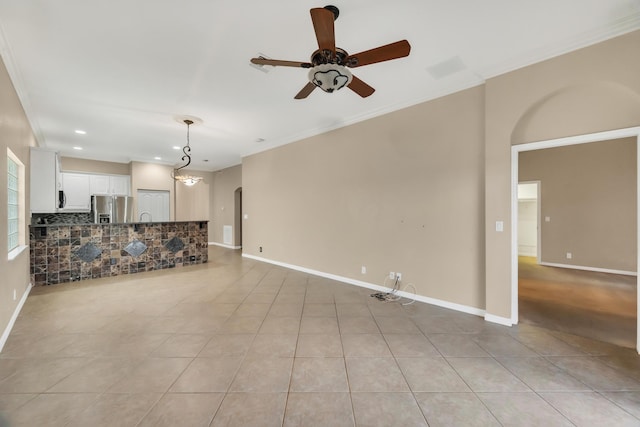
(566, 266)
(529, 219)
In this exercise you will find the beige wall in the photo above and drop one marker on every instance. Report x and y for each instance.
(420, 190)
(15, 134)
(72, 164)
(588, 90)
(402, 192)
(589, 194)
(223, 209)
(193, 202)
(152, 176)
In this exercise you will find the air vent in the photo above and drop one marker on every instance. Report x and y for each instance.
(446, 68)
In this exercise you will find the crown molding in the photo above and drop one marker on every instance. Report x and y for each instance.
(615, 29)
(477, 77)
(19, 87)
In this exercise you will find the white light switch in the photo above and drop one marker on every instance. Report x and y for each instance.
(547, 219)
(499, 226)
(246, 216)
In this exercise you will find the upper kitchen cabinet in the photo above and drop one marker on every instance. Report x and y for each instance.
(99, 184)
(120, 185)
(76, 194)
(112, 185)
(44, 174)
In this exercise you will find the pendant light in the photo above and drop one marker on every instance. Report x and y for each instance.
(188, 180)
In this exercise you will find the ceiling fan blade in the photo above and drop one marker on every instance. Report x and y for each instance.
(360, 87)
(379, 54)
(277, 62)
(323, 25)
(306, 91)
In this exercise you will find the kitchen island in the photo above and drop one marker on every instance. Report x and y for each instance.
(70, 252)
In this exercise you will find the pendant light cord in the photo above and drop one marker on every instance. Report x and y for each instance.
(187, 148)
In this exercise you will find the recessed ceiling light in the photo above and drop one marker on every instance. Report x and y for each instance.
(77, 148)
(158, 158)
(175, 147)
(81, 132)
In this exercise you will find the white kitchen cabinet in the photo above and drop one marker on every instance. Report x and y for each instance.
(77, 194)
(110, 185)
(44, 168)
(119, 185)
(99, 184)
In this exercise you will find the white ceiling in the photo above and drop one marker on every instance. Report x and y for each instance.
(126, 71)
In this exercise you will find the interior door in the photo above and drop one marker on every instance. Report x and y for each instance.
(153, 206)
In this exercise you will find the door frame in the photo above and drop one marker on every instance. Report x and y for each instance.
(561, 142)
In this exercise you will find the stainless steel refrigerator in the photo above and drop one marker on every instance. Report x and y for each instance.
(112, 209)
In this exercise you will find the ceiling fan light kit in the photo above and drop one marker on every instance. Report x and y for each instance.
(330, 77)
(328, 65)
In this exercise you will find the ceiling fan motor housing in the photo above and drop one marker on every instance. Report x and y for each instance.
(334, 10)
(329, 57)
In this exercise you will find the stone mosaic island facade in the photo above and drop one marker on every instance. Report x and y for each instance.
(70, 252)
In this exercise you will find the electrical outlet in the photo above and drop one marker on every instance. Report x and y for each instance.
(399, 276)
(260, 248)
(363, 270)
(569, 255)
(15, 295)
(392, 275)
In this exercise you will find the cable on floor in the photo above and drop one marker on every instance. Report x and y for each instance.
(392, 295)
(384, 296)
(415, 291)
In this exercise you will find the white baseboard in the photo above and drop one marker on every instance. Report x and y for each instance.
(527, 251)
(224, 246)
(12, 321)
(498, 319)
(404, 294)
(598, 270)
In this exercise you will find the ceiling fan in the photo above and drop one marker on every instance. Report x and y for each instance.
(328, 64)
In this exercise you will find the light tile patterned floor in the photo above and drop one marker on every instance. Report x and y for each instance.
(236, 342)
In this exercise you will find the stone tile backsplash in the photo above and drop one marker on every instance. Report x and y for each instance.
(71, 252)
(63, 218)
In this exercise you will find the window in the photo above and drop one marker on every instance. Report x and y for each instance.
(15, 205)
(12, 190)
